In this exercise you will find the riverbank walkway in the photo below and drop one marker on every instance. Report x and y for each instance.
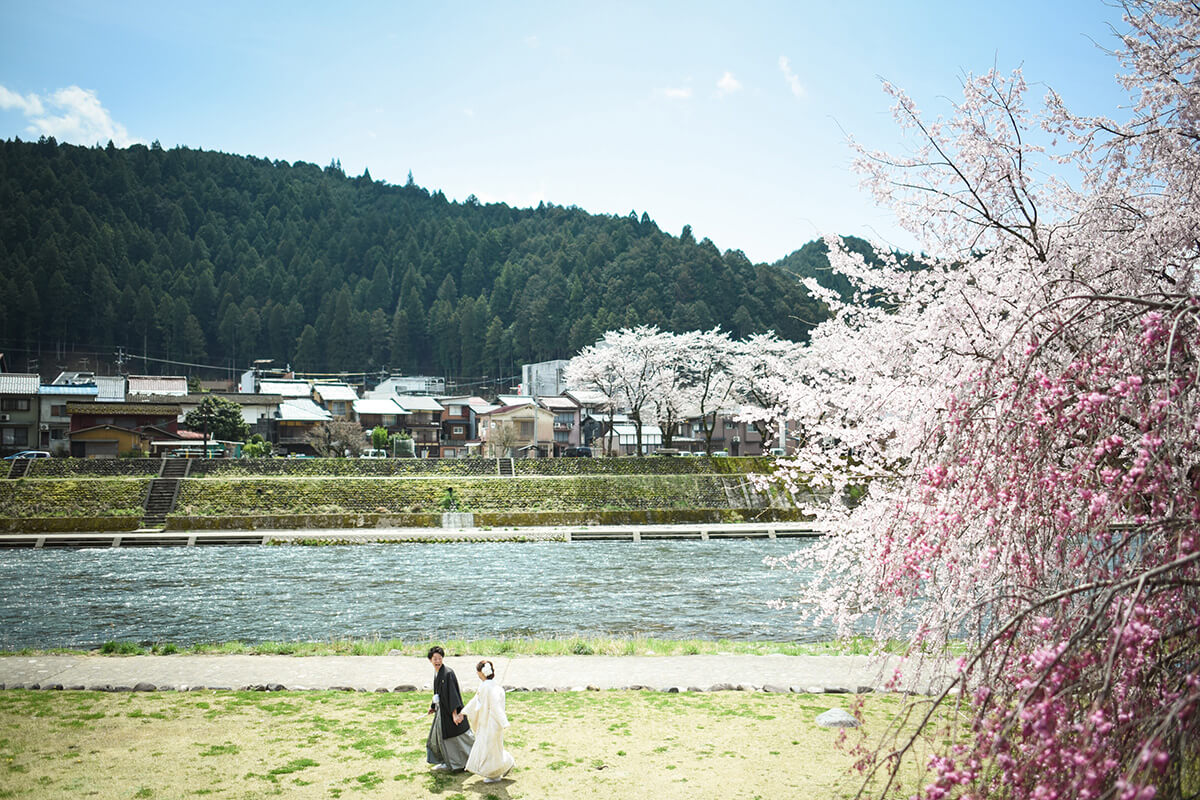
(159, 537)
(772, 673)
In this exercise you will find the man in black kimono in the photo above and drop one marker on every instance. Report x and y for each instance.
(449, 742)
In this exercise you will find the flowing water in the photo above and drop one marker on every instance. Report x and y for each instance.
(674, 590)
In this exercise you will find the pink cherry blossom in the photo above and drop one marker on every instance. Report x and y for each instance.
(1025, 415)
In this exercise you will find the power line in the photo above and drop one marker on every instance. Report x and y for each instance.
(133, 356)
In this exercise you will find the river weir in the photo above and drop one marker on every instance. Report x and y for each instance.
(470, 589)
(154, 537)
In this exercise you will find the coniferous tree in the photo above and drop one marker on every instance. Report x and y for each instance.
(97, 246)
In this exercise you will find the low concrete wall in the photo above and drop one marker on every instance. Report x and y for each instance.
(68, 524)
(303, 522)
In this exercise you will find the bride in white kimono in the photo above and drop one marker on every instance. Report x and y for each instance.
(488, 758)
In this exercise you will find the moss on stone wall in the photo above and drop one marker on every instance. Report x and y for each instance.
(397, 467)
(68, 524)
(93, 467)
(216, 497)
(353, 493)
(101, 497)
(278, 522)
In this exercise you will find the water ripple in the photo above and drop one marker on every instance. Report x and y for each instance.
(680, 590)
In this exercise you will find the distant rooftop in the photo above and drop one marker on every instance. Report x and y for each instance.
(335, 391)
(171, 385)
(19, 383)
(286, 388)
(301, 409)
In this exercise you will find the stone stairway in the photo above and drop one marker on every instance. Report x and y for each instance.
(160, 501)
(504, 467)
(20, 466)
(175, 468)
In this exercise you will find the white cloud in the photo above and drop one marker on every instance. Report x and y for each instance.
(728, 84)
(676, 94)
(793, 81)
(28, 106)
(69, 115)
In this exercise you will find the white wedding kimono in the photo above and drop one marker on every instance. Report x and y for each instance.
(488, 758)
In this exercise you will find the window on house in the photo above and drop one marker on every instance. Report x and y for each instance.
(457, 430)
(14, 437)
(560, 436)
(525, 429)
(58, 411)
(14, 404)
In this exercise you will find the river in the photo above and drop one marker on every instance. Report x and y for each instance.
(674, 590)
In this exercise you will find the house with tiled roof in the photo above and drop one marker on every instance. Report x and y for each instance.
(54, 424)
(295, 418)
(423, 420)
(18, 411)
(379, 412)
(517, 431)
(336, 398)
(459, 425)
(567, 421)
(108, 429)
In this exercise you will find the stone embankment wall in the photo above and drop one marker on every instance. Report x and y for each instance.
(356, 493)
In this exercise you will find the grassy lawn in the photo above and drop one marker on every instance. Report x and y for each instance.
(613, 744)
(568, 645)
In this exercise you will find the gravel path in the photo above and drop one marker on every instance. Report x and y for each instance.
(777, 673)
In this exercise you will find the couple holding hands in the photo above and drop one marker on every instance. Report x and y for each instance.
(451, 745)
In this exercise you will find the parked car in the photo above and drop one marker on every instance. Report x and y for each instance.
(373, 453)
(28, 454)
(720, 454)
(577, 452)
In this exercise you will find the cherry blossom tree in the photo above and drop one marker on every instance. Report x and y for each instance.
(708, 362)
(765, 374)
(673, 397)
(1025, 414)
(594, 368)
(626, 366)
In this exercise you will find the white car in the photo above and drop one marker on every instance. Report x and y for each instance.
(373, 454)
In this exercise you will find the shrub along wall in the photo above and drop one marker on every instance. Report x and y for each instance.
(109, 497)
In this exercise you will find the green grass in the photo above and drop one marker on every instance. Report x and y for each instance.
(567, 645)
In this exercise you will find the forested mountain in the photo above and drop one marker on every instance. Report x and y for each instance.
(208, 258)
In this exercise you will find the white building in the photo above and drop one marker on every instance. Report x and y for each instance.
(544, 379)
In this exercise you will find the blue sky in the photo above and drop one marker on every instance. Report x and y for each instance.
(727, 117)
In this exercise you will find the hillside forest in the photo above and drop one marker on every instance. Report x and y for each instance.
(189, 257)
